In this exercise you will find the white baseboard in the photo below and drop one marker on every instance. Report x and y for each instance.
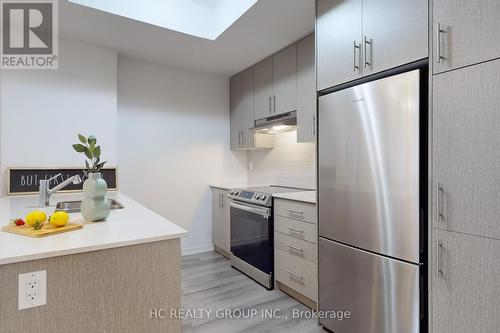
(197, 250)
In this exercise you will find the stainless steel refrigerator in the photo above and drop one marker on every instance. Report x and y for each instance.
(369, 206)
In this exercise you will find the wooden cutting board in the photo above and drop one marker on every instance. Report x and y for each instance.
(47, 229)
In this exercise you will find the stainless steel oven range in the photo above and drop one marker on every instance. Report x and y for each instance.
(252, 229)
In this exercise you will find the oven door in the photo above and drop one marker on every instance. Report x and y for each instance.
(252, 235)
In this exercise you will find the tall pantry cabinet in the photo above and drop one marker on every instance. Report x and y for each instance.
(465, 274)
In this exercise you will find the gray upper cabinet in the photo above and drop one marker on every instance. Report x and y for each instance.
(306, 90)
(465, 284)
(242, 114)
(263, 85)
(466, 156)
(394, 33)
(275, 84)
(281, 83)
(235, 116)
(247, 108)
(339, 34)
(357, 38)
(465, 32)
(285, 80)
(242, 110)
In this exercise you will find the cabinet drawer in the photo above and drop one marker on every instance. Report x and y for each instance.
(299, 274)
(295, 210)
(296, 247)
(296, 229)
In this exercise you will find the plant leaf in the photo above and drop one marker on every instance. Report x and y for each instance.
(88, 153)
(97, 152)
(82, 139)
(100, 165)
(79, 148)
(87, 166)
(92, 140)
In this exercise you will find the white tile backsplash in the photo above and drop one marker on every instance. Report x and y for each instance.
(288, 164)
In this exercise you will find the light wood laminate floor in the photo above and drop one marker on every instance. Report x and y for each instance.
(209, 282)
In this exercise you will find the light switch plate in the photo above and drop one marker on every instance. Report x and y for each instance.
(32, 289)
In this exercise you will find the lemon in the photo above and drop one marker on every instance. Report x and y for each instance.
(59, 219)
(35, 218)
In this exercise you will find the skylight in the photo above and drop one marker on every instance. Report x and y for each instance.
(201, 18)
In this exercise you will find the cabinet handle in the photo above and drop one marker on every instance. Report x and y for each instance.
(314, 125)
(298, 212)
(355, 50)
(368, 43)
(270, 110)
(298, 249)
(439, 250)
(296, 230)
(220, 205)
(298, 276)
(438, 42)
(439, 195)
(274, 103)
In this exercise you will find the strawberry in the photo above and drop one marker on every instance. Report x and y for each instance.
(19, 222)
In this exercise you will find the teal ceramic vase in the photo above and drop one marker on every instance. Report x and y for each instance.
(95, 205)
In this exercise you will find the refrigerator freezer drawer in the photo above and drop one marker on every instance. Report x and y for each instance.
(381, 294)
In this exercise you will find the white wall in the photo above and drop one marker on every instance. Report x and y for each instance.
(173, 140)
(43, 110)
(288, 164)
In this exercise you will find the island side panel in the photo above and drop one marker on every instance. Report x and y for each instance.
(110, 290)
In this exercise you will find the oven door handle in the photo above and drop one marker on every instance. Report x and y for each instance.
(251, 209)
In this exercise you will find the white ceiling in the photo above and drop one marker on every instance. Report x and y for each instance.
(267, 27)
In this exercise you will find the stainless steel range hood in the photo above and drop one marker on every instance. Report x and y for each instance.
(284, 122)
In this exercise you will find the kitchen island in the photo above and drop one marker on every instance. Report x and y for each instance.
(111, 276)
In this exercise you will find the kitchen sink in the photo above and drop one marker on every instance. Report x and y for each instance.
(75, 206)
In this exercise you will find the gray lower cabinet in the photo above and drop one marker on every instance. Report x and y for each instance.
(466, 153)
(306, 90)
(263, 85)
(221, 221)
(466, 284)
(285, 80)
(465, 32)
(394, 33)
(296, 250)
(338, 29)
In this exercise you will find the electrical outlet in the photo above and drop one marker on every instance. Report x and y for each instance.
(250, 166)
(32, 289)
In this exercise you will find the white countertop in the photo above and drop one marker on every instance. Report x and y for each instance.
(135, 224)
(303, 196)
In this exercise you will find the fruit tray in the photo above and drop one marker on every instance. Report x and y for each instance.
(47, 229)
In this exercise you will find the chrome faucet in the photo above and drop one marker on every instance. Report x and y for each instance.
(46, 191)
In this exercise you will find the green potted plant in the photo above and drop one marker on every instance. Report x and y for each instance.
(95, 205)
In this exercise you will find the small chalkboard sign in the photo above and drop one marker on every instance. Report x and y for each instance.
(27, 180)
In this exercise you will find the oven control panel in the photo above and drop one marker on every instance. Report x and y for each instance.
(258, 198)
